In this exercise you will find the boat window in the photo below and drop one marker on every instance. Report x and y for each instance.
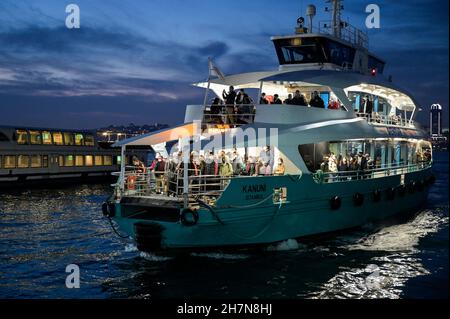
(23, 161)
(98, 159)
(79, 140)
(299, 50)
(9, 161)
(44, 160)
(339, 54)
(89, 160)
(79, 160)
(3, 137)
(58, 138)
(89, 140)
(36, 161)
(46, 138)
(107, 160)
(35, 137)
(380, 153)
(68, 160)
(69, 138)
(21, 137)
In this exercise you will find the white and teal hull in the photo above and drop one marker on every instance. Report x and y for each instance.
(242, 217)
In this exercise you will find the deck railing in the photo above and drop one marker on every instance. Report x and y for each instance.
(379, 172)
(230, 115)
(387, 120)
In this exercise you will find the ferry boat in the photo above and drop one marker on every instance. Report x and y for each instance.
(391, 160)
(32, 156)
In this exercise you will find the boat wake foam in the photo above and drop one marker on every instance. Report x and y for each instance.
(384, 276)
(287, 245)
(220, 255)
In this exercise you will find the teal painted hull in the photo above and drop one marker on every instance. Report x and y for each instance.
(306, 212)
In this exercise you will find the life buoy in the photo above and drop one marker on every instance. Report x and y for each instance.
(131, 182)
(376, 195)
(390, 193)
(186, 220)
(401, 190)
(412, 187)
(358, 199)
(335, 202)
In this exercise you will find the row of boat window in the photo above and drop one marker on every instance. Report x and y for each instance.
(380, 153)
(41, 161)
(26, 137)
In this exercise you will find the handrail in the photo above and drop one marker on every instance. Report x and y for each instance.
(390, 170)
(387, 120)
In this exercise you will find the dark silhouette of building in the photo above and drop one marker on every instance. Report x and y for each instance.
(436, 120)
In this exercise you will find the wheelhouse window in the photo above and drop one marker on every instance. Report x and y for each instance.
(36, 161)
(79, 160)
(9, 161)
(89, 140)
(69, 139)
(89, 160)
(58, 138)
(21, 137)
(47, 138)
(98, 159)
(79, 139)
(299, 50)
(35, 137)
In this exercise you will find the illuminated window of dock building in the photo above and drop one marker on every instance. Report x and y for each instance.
(46, 138)
(107, 160)
(23, 161)
(79, 160)
(58, 138)
(79, 139)
(69, 139)
(21, 137)
(35, 137)
(89, 140)
(89, 160)
(9, 161)
(68, 160)
(98, 160)
(36, 161)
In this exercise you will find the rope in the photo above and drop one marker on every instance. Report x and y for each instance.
(115, 230)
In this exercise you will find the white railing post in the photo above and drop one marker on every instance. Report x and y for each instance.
(122, 168)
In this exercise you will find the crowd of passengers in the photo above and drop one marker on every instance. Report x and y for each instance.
(236, 107)
(359, 165)
(223, 164)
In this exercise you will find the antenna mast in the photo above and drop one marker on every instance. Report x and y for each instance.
(336, 17)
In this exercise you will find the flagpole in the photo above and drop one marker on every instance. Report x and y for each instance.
(209, 84)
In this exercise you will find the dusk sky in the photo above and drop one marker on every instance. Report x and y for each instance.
(133, 61)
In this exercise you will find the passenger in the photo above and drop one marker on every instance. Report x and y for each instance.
(139, 165)
(288, 100)
(211, 167)
(250, 167)
(342, 167)
(237, 163)
(244, 108)
(276, 99)
(158, 167)
(317, 101)
(263, 99)
(280, 169)
(216, 111)
(266, 156)
(299, 99)
(229, 98)
(225, 168)
(333, 104)
(367, 105)
(332, 165)
(261, 168)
